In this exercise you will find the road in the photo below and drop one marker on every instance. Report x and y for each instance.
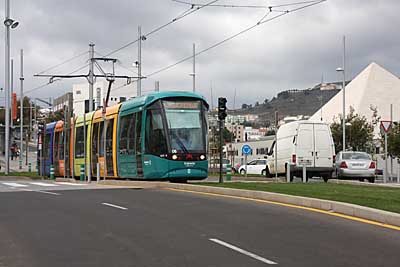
(149, 227)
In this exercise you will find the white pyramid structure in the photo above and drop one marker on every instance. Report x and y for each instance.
(373, 86)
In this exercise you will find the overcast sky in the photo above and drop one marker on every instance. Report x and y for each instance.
(293, 51)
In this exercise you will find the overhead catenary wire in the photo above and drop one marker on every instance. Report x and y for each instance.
(219, 5)
(63, 62)
(260, 22)
(181, 16)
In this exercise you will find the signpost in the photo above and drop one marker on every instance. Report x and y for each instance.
(385, 127)
(246, 149)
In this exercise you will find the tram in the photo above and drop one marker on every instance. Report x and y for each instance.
(159, 136)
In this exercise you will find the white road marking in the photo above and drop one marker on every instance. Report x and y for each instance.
(43, 184)
(252, 255)
(40, 191)
(15, 185)
(67, 183)
(114, 206)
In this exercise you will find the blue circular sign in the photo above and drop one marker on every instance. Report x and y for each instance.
(246, 149)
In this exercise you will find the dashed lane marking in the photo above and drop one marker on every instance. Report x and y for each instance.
(114, 206)
(40, 191)
(245, 252)
(43, 184)
(15, 185)
(67, 183)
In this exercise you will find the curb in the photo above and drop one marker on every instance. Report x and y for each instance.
(69, 180)
(380, 216)
(350, 182)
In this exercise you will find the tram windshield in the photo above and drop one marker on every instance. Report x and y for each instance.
(186, 126)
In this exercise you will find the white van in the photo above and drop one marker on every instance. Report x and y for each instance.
(303, 143)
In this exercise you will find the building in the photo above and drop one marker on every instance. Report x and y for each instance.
(237, 130)
(64, 100)
(251, 133)
(259, 149)
(119, 93)
(373, 87)
(235, 119)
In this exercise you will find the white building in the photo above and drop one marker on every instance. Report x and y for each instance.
(118, 93)
(254, 134)
(259, 149)
(375, 87)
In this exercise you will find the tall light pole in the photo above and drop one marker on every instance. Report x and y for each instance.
(193, 74)
(21, 104)
(8, 22)
(343, 70)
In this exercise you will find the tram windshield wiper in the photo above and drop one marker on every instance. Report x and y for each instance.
(180, 143)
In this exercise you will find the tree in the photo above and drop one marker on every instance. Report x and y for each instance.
(227, 136)
(359, 133)
(394, 140)
(266, 101)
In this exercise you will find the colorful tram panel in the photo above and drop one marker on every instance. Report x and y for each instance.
(159, 136)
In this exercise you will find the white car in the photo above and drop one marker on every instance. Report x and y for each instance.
(257, 166)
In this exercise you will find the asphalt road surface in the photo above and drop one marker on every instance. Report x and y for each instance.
(148, 227)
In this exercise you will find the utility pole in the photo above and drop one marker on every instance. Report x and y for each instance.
(91, 75)
(194, 68)
(157, 86)
(7, 92)
(21, 104)
(344, 93)
(139, 82)
(12, 88)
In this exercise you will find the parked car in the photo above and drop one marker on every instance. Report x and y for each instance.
(355, 165)
(257, 166)
(303, 143)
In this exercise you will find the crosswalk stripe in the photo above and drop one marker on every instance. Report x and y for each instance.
(43, 184)
(15, 184)
(67, 183)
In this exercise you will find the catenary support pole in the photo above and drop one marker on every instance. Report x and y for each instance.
(12, 89)
(21, 113)
(105, 143)
(194, 68)
(139, 81)
(7, 90)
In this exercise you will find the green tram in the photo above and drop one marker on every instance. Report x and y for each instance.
(158, 136)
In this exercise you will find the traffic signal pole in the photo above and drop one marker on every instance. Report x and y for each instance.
(221, 118)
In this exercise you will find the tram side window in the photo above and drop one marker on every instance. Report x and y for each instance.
(123, 138)
(61, 145)
(155, 135)
(139, 134)
(46, 145)
(101, 139)
(109, 146)
(56, 146)
(79, 143)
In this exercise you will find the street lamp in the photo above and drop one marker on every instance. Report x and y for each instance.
(343, 70)
(8, 22)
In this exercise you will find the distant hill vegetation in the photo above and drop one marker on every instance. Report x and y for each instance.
(288, 103)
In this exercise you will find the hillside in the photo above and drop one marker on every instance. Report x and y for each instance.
(288, 103)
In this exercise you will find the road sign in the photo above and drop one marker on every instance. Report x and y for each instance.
(386, 125)
(246, 149)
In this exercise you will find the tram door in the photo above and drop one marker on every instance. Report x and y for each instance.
(126, 141)
(138, 146)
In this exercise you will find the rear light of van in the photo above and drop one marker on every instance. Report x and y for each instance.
(294, 158)
(372, 165)
(343, 165)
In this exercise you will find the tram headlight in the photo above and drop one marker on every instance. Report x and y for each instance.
(174, 157)
(202, 157)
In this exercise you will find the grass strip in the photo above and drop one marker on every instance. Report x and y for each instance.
(383, 198)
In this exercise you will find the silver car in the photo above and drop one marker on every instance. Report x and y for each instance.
(355, 165)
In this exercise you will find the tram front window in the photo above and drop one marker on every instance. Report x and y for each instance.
(186, 126)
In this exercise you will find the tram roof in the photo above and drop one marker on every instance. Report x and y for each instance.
(152, 97)
(79, 119)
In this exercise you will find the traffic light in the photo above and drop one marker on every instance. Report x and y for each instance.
(222, 108)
